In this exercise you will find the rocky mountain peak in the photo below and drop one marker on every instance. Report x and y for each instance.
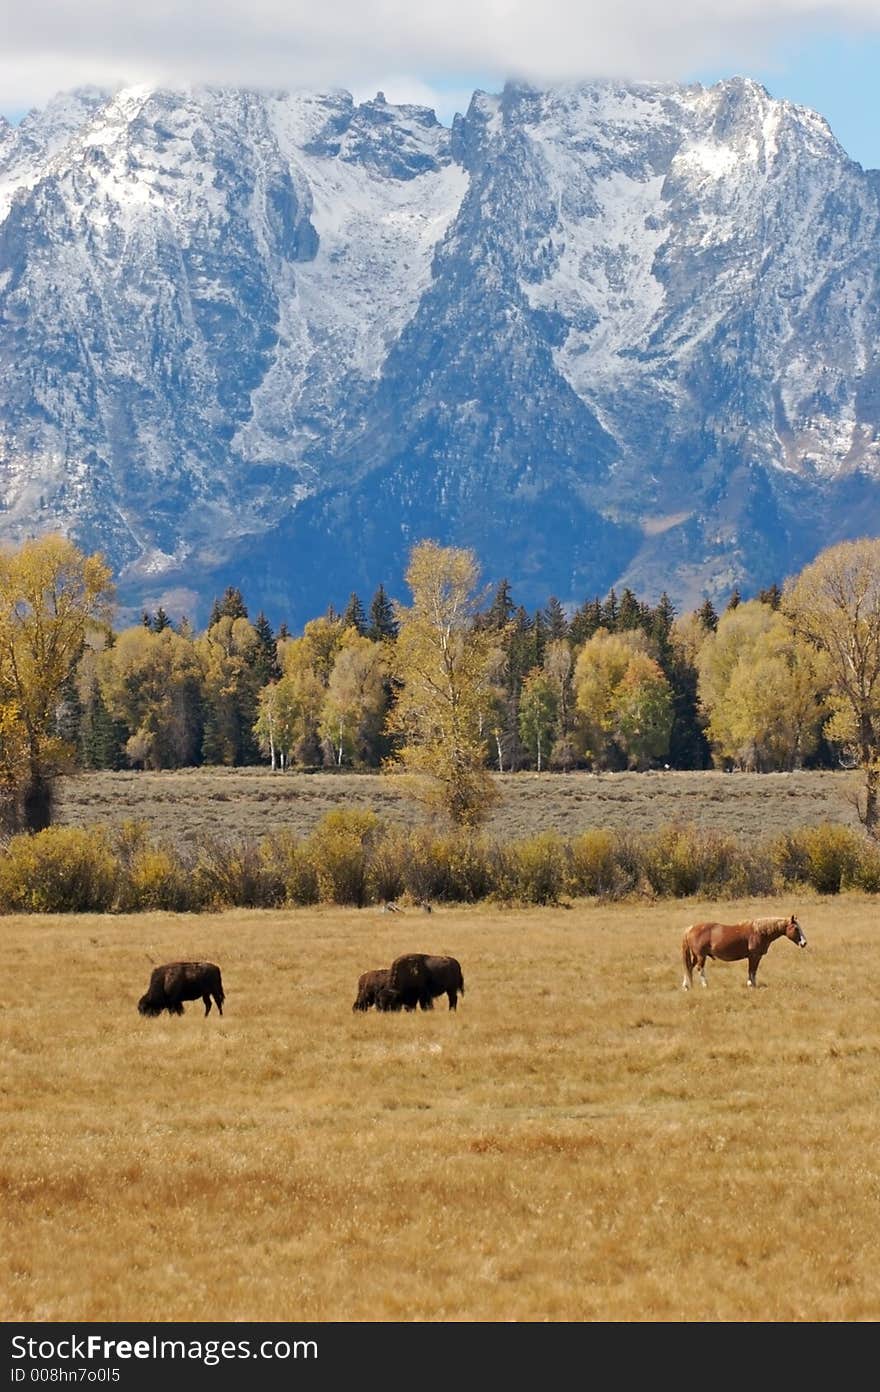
(606, 333)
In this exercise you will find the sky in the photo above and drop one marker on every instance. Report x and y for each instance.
(821, 53)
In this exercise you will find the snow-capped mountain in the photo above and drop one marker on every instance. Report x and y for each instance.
(603, 335)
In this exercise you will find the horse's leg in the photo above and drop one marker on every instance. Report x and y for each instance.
(754, 959)
(701, 963)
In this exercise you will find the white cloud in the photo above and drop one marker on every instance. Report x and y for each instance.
(48, 47)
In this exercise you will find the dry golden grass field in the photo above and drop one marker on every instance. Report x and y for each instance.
(187, 803)
(580, 1141)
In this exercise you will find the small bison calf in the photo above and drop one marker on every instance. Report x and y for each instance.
(369, 987)
(181, 981)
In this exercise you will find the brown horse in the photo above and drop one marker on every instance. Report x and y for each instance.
(731, 942)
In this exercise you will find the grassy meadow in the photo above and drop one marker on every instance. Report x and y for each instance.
(582, 1140)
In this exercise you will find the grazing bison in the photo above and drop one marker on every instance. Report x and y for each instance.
(182, 981)
(369, 987)
(417, 978)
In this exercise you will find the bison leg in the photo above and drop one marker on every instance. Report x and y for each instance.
(219, 999)
(207, 999)
(453, 998)
(174, 1008)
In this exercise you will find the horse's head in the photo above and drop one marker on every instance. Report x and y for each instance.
(794, 931)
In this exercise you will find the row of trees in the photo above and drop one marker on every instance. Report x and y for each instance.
(447, 688)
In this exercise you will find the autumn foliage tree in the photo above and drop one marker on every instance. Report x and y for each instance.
(50, 594)
(835, 604)
(538, 713)
(623, 700)
(151, 683)
(761, 688)
(441, 661)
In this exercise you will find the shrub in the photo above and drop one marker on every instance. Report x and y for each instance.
(791, 858)
(386, 871)
(232, 874)
(752, 873)
(457, 868)
(288, 858)
(339, 849)
(680, 861)
(865, 875)
(59, 870)
(156, 879)
(594, 870)
(833, 856)
(536, 869)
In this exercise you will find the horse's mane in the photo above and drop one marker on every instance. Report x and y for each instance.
(767, 926)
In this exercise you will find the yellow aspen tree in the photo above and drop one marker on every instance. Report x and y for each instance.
(442, 661)
(834, 603)
(50, 595)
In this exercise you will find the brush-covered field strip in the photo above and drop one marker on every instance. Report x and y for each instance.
(185, 804)
(582, 1140)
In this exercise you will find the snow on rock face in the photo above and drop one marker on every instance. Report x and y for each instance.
(201, 282)
(236, 322)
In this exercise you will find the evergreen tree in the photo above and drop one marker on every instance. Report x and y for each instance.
(354, 616)
(501, 610)
(584, 623)
(708, 616)
(688, 746)
(659, 627)
(382, 623)
(539, 637)
(160, 620)
(101, 738)
(147, 619)
(266, 665)
(555, 620)
(772, 596)
(611, 611)
(283, 633)
(631, 614)
(735, 598)
(68, 712)
(232, 605)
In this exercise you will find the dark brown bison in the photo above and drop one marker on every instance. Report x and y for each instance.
(369, 987)
(182, 981)
(417, 978)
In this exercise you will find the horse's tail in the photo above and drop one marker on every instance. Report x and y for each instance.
(688, 957)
